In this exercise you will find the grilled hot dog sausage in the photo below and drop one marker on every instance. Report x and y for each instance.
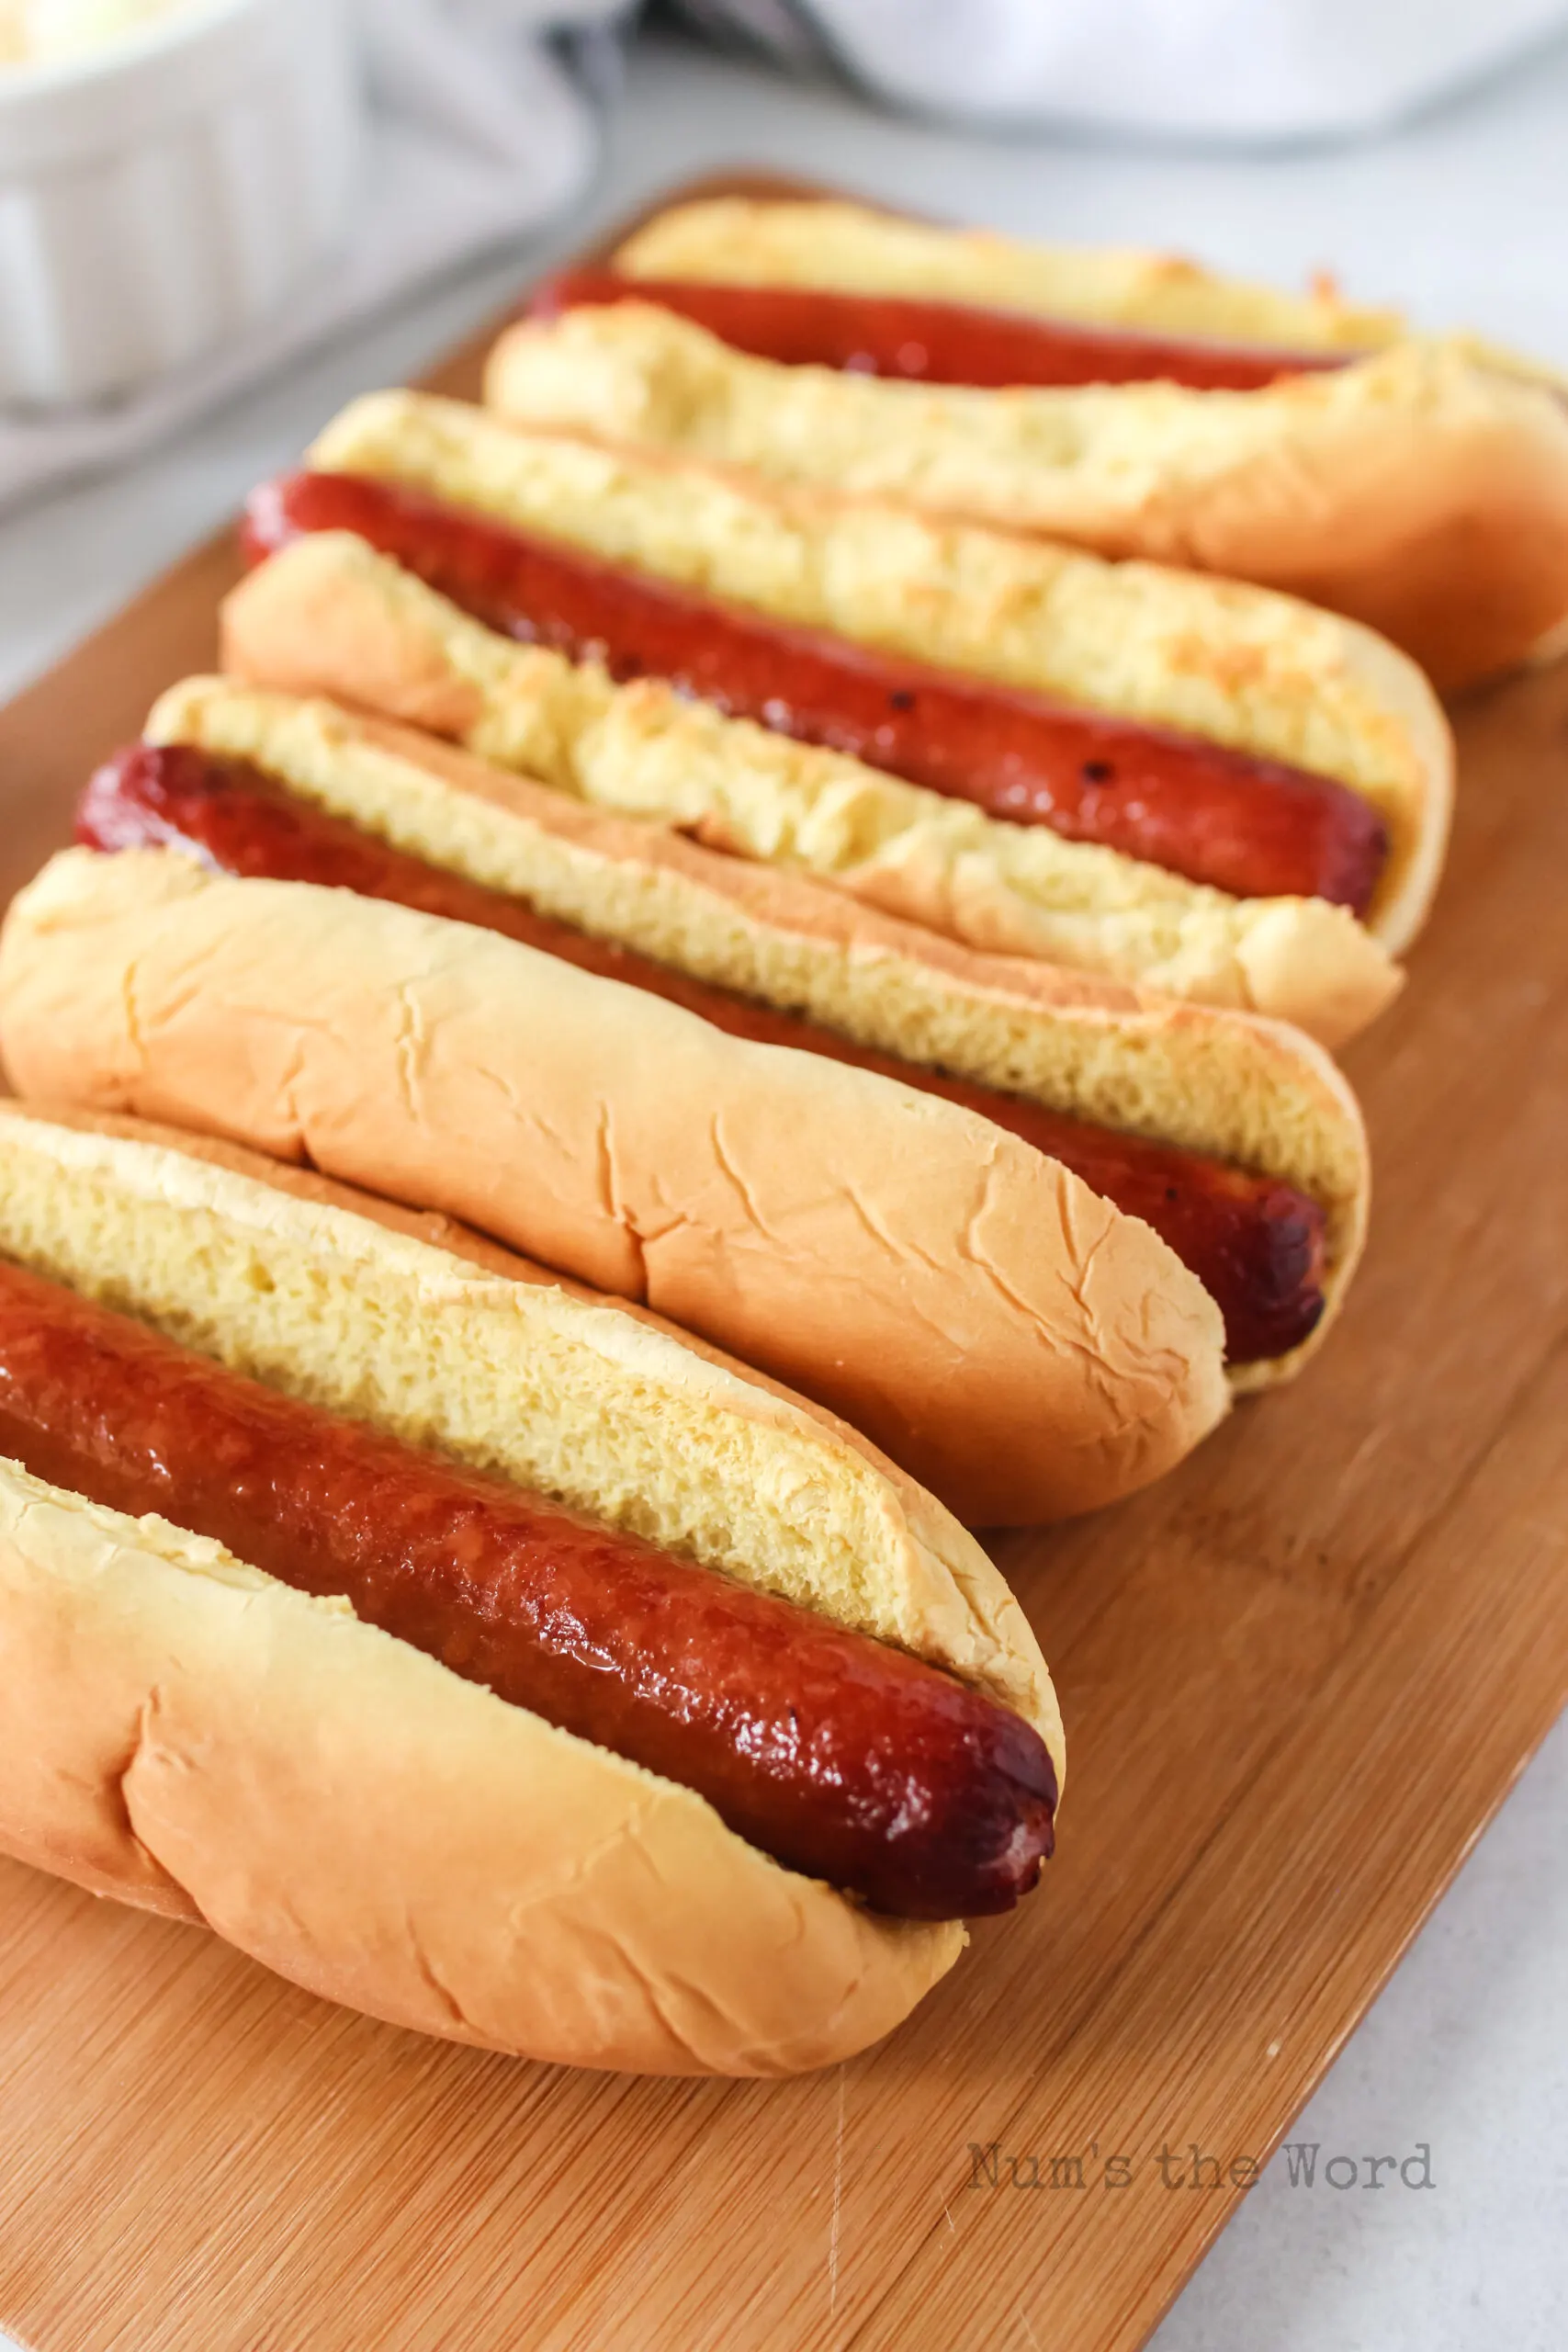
(843, 1756)
(930, 341)
(1251, 826)
(1254, 1243)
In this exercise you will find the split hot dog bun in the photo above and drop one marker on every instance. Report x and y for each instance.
(1249, 1094)
(194, 1736)
(1216, 663)
(1423, 489)
(1027, 1348)
(856, 249)
(329, 616)
(1219, 659)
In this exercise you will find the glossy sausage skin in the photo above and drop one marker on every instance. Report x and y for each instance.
(932, 342)
(1256, 1244)
(1251, 826)
(841, 1756)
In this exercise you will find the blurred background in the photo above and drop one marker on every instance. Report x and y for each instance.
(218, 217)
(194, 191)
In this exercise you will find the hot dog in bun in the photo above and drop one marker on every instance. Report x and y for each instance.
(1025, 1347)
(1179, 781)
(1126, 401)
(469, 1649)
(1235, 1139)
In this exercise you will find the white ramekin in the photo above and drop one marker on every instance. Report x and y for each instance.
(158, 195)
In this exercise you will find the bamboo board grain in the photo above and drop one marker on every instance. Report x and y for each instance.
(1298, 1676)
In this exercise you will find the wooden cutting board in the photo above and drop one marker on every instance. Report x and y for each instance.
(1298, 1679)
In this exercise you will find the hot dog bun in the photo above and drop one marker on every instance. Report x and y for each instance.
(1217, 658)
(329, 616)
(854, 248)
(1026, 1348)
(1250, 1092)
(1422, 490)
(1256, 674)
(191, 1736)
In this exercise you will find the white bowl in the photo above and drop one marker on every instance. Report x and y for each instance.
(159, 193)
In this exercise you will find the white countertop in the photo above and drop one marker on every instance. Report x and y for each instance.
(1461, 218)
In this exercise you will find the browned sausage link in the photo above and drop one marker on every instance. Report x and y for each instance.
(930, 341)
(841, 1756)
(1257, 1244)
(1244, 825)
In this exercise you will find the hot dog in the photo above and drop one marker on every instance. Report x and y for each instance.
(1421, 488)
(1258, 1246)
(1235, 1139)
(1253, 827)
(1144, 707)
(839, 1756)
(1030, 1349)
(927, 340)
(456, 1574)
(1145, 300)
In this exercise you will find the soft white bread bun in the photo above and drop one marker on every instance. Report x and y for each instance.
(1016, 1343)
(855, 249)
(1422, 490)
(194, 1736)
(848, 248)
(1251, 1092)
(330, 616)
(1216, 658)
